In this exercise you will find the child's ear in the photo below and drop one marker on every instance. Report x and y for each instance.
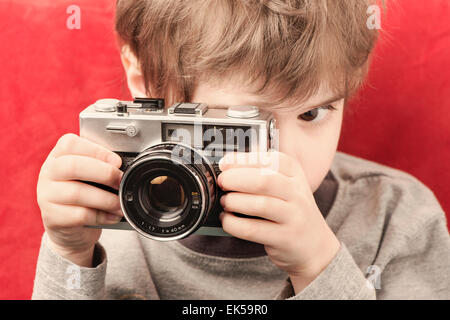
(135, 79)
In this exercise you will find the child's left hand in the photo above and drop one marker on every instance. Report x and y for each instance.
(294, 233)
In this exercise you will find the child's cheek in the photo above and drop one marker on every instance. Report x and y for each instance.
(314, 149)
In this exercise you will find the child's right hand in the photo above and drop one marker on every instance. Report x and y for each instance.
(68, 205)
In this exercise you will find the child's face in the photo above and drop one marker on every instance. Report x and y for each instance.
(312, 143)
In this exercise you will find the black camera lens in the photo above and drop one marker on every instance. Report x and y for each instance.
(165, 196)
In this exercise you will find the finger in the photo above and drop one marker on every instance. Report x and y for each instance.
(66, 216)
(77, 193)
(73, 144)
(76, 167)
(269, 208)
(271, 161)
(255, 230)
(250, 180)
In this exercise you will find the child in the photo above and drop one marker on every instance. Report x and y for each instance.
(336, 226)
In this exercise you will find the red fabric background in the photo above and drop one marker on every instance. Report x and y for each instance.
(50, 73)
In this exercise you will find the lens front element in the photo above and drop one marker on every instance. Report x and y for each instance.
(166, 196)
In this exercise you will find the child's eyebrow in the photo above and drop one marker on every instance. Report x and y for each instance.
(268, 105)
(328, 101)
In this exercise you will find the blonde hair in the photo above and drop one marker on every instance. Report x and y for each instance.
(287, 48)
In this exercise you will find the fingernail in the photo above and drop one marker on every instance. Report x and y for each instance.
(118, 212)
(111, 218)
(115, 159)
(222, 200)
(226, 158)
(219, 181)
(221, 161)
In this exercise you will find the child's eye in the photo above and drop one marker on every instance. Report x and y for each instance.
(316, 114)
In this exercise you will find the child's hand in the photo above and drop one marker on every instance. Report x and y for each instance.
(68, 205)
(295, 234)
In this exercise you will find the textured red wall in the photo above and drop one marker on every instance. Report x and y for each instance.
(50, 73)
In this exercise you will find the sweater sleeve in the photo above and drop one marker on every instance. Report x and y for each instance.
(341, 279)
(58, 279)
(411, 259)
(420, 269)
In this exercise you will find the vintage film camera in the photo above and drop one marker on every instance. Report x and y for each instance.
(170, 159)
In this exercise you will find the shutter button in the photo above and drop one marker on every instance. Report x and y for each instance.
(243, 112)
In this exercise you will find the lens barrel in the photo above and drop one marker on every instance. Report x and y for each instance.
(168, 191)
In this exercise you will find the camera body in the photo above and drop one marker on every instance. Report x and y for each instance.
(170, 159)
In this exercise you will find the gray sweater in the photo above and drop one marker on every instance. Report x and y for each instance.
(394, 245)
